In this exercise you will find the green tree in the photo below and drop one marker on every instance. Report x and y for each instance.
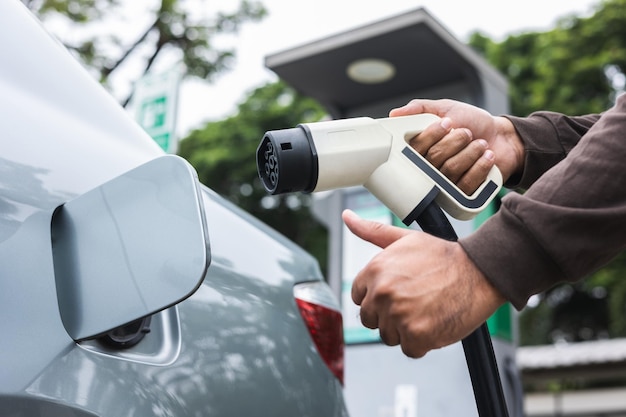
(174, 32)
(575, 68)
(223, 153)
(563, 69)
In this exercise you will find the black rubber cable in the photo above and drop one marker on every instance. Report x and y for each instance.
(479, 355)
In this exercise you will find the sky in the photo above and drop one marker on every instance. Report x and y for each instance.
(291, 23)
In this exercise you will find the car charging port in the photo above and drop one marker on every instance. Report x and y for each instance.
(128, 335)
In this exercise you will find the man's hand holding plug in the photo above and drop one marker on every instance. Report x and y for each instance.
(423, 292)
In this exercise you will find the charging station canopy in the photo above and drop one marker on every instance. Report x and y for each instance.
(403, 57)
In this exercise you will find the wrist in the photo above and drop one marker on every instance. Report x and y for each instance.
(487, 297)
(510, 151)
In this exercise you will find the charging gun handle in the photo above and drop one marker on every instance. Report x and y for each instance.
(479, 355)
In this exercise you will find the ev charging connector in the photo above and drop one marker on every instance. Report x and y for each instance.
(371, 152)
(376, 153)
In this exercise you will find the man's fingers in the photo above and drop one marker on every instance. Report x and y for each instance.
(458, 164)
(381, 235)
(388, 330)
(477, 174)
(450, 146)
(431, 135)
(369, 318)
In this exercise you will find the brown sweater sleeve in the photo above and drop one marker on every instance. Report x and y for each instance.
(572, 219)
(548, 137)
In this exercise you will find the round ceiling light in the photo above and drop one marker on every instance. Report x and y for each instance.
(371, 71)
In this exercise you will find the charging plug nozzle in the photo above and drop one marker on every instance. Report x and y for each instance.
(287, 161)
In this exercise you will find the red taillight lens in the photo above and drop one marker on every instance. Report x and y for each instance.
(323, 318)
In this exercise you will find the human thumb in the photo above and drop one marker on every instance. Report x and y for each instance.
(417, 106)
(381, 235)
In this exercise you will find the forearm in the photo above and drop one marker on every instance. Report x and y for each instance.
(570, 222)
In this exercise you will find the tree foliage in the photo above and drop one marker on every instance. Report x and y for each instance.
(174, 30)
(564, 69)
(78, 11)
(223, 153)
(575, 68)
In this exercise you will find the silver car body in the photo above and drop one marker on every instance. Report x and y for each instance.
(237, 347)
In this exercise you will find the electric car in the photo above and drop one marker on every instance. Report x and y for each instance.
(127, 288)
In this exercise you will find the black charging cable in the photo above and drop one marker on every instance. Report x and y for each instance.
(479, 355)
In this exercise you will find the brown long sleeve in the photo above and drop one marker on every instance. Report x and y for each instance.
(572, 219)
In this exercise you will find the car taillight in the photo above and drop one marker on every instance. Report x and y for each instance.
(321, 313)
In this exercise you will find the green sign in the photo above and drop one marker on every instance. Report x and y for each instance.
(153, 117)
(155, 104)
